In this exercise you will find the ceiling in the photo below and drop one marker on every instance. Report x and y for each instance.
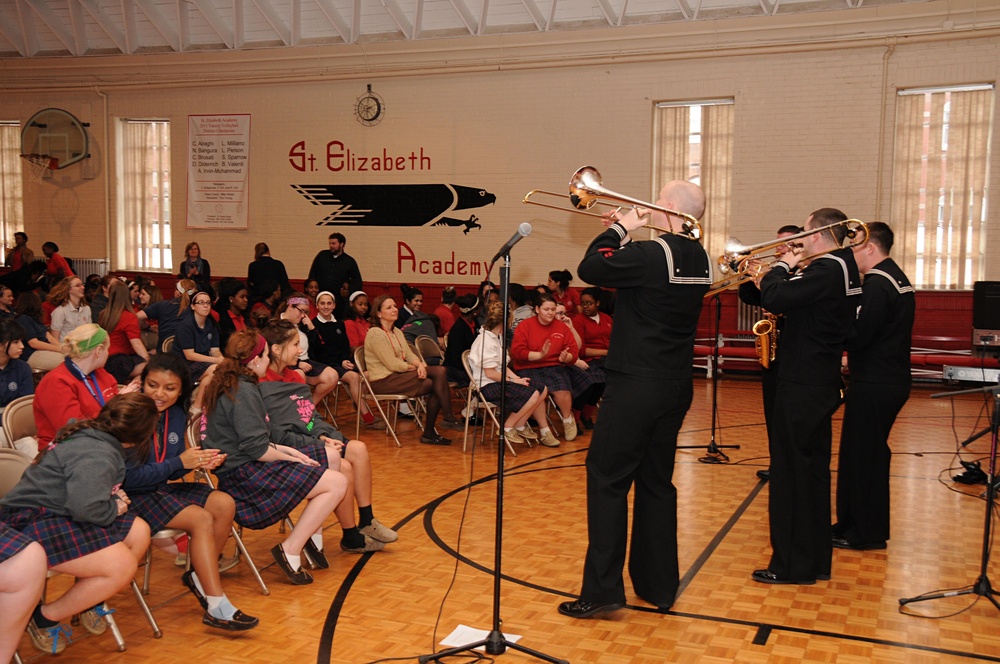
(53, 28)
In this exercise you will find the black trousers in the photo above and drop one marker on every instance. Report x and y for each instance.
(768, 390)
(634, 442)
(863, 467)
(799, 505)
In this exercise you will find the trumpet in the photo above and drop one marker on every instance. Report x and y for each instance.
(740, 263)
(586, 191)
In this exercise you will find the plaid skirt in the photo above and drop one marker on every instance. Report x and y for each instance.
(563, 377)
(197, 369)
(158, 508)
(121, 365)
(317, 368)
(517, 395)
(267, 492)
(596, 369)
(11, 542)
(62, 537)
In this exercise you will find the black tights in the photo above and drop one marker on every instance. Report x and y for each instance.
(435, 387)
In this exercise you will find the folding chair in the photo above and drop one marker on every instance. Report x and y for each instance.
(194, 439)
(19, 419)
(481, 404)
(367, 391)
(12, 466)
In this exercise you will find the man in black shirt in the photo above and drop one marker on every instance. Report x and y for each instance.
(819, 302)
(660, 285)
(334, 267)
(878, 351)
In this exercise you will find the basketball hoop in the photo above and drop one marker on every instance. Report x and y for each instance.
(38, 164)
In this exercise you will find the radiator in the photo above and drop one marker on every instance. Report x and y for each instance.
(85, 267)
(747, 315)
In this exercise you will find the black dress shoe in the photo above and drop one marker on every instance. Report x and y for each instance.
(434, 439)
(299, 577)
(240, 622)
(316, 554)
(764, 474)
(842, 543)
(767, 576)
(581, 609)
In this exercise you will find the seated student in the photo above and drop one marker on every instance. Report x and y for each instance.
(70, 501)
(265, 301)
(266, 480)
(544, 350)
(413, 301)
(394, 369)
(100, 299)
(331, 346)
(7, 302)
(56, 267)
(460, 337)
(232, 307)
(320, 377)
(169, 314)
(79, 387)
(561, 292)
(445, 313)
(294, 422)
(523, 399)
(197, 339)
(42, 351)
(594, 327)
(15, 378)
(311, 289)
(521, 309)
(206, 515)
(127, 354)
(71, 310)
(22, 578)
(356, 319)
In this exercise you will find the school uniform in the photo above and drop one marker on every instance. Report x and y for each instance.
(165, 313)
(66, 501)
(265, 492)
(15, 381)
(156, 496)
(65, 394)
(548, 371)
(329, 343)
(122, 358)
(200, 339)
(486, 354)
(11, 542)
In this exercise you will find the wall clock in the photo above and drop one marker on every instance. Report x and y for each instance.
(370, 108)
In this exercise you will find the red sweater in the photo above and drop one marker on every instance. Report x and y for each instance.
(61, 397)
(594, 335)
(530, 336)
(356, 329)
(571, 298)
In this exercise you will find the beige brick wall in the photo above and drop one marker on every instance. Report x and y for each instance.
(807, 135)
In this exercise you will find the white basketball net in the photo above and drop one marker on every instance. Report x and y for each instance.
(37, 164)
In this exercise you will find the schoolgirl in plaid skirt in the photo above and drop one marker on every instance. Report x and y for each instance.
(22, 578)
(70, 501)
(267, 481)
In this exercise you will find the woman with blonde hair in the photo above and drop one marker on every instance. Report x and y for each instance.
(71, 309)
(79, 387)
(127, 354)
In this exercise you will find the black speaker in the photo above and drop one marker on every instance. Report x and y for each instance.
(986, 305)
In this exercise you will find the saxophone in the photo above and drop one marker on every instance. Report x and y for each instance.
(766, 331)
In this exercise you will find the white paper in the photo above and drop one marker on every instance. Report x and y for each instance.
(463, 634)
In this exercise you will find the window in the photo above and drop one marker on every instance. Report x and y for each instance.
(940, 175)
(694, 141)
(11, 186)
(143, 220)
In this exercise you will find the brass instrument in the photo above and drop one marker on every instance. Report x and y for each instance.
(739, 263)
(586, 191)
(766, 331)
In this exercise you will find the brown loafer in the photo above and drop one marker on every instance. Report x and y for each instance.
(299, 577)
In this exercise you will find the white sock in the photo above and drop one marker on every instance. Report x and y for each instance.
(295, 562)
(221, 608)
(317, 539)
(520, 428)
(567, 420)
(197, 583)
(508, 430)
(544, 431)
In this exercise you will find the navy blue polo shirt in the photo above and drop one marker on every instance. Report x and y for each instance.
(15, 381)
(199, 339)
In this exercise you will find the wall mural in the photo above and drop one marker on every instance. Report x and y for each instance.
(397, 204)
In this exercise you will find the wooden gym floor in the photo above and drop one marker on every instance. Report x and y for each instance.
(391, 604)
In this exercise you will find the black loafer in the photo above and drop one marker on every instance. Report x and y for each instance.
(299, 578)
(764, 474)
(581, 609)
(434, 439)
(842, 543)
(316, 555)
(189, 582)
(240, 622)
(767, 576)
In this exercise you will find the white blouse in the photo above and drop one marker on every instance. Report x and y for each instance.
(485, 354)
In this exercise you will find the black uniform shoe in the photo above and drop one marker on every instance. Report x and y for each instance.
(300, 577)
(240, 622)
(767, 576)
(434, 439)
(316, 554)
(842, 543)
(764, 474)
(582, 609)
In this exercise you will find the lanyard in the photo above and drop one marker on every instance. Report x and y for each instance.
(161, 454)
(95, 391)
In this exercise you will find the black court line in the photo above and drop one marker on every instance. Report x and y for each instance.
(763, 630)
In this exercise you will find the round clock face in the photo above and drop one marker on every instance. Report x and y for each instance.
(369, 109)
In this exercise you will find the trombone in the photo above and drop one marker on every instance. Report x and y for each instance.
(586, 191)
(740, 264)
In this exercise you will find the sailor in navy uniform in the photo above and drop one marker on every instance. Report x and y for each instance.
(819, 303)
(878, 351)
(660, 285)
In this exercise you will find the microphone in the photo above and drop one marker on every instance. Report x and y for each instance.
(523, 231)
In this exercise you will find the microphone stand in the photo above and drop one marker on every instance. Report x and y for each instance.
(496, 643)
(714, 453)
(981, 586)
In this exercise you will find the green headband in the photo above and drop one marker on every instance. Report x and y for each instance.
(93, 342)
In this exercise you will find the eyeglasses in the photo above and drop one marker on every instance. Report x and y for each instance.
(303, 311)
(203, 302)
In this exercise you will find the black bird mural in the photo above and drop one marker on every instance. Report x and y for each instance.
(396, 204)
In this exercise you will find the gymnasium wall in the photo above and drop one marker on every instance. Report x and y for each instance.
(814, 98)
